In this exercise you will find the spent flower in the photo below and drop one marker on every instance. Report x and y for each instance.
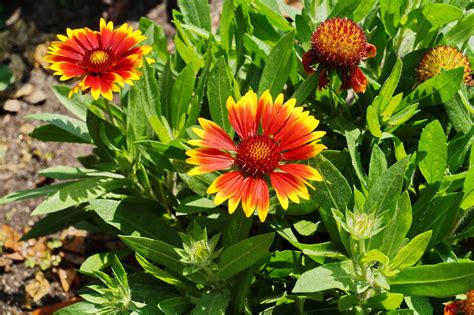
(273, 135)
(101, 60)
(339, 44)
(443, 58)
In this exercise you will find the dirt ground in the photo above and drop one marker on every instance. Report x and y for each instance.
(29, 26)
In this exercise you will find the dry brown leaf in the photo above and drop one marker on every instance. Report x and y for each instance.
(15, 256)
(66, 277)
(9, 237)
(37, 288)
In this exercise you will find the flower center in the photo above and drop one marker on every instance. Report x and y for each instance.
(339, 42)
(97, 61)
(258, 155)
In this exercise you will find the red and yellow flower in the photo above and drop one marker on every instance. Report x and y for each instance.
(273, 136)
(101, 60)
(339, 44)
(443, 57)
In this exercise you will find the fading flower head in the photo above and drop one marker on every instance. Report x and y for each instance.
(443, 57)
(101, 60)
(339, 44)
(272, 136)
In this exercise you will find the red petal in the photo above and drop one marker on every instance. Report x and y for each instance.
(213, 136)
(371, 50)
(288, 186)
(209, 160)
(256, 197)
(303, 152)
(357, 80)
(301, 171)
(243, 114)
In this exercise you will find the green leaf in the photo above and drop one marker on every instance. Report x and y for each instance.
(462, 31)
(136, 117)
(197, 100)
(77, 193)
(306, 228)
(237, 229)
(101, 261)
(397, 228)
(439, 14)
(136, 218)
(468, 189)
(333, 192)
(155, 250)
(195, 204)
(218, 91)
(196, 12)
(354, 139)
(382, 100)
(33, 193)
(225, 25)
(438, 214)
(457, 150)
(181, 95)
(458, 114)
(433, 145)
(67, 172)
(189, 55)
(172, 150)
(378, 164)
(77, 104)
(54, 134)
(344, 8)
(278, 66)
(54, 222)
(212, 303)
(165, 83)
(155, 37)
(146, 105)
(283, 264)
(390, 12)
(338, 275)
(383, 195)
(440, 280)
(403, 115)
(119, 272)
(274, 16)
(373, 122)
(420, 305)
(305, 89)
(159, 273)
(409, 254)
(82, 307)
(438, 89)
(243, 254)
(68, 124)
(176, 305)
(385, 301)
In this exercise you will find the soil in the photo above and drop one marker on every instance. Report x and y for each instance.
(29, 26)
